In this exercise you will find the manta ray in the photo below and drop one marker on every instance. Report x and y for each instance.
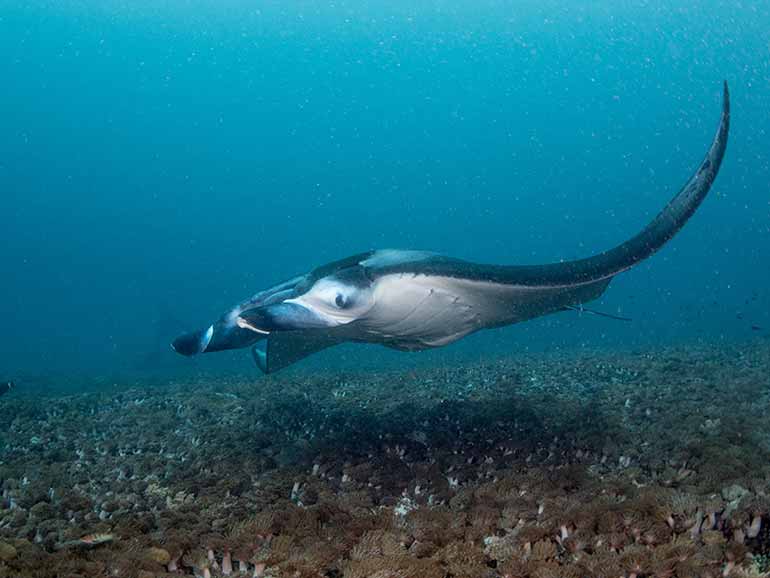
(415, 300)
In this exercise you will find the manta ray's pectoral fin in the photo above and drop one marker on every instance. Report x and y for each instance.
(285, 348)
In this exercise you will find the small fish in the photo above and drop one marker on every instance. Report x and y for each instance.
(96, 539)
(88, 541)
(6, 386)
(756, 328)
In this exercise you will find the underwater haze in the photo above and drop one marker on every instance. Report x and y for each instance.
(161, 161)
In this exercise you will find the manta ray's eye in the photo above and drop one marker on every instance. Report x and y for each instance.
(340, 300)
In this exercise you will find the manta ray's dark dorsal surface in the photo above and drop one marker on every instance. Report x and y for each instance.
(413, 300)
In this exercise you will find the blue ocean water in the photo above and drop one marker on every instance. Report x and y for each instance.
(162, 161)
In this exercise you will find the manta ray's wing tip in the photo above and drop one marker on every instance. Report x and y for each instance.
(726, 97)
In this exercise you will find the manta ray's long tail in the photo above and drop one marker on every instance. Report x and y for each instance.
(662, 228)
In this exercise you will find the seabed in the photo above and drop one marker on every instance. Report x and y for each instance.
(602, 464)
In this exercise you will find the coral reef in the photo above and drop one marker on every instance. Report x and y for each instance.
(644, 464)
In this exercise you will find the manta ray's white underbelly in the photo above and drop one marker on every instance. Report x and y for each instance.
(419, 311)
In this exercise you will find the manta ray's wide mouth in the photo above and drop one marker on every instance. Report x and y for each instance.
(285, 316)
